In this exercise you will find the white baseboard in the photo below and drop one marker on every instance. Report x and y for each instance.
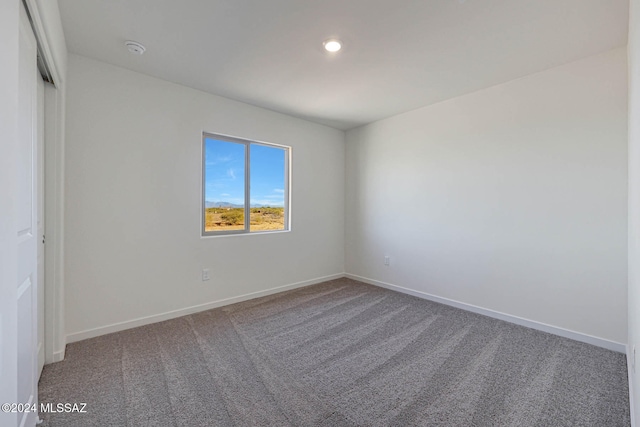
(631, 391)
(116, 327)
(58, 356)
(141, 321)
(577, 336)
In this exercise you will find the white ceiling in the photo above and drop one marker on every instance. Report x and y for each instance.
(398, 55)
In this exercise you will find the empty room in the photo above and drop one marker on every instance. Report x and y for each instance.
(305, 213)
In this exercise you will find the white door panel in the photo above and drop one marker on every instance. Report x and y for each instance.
(25, 346)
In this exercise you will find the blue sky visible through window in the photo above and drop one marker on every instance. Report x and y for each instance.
(224, 173)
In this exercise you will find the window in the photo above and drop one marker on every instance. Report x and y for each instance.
(245, 186)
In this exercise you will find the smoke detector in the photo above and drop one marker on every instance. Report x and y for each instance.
(135, 47)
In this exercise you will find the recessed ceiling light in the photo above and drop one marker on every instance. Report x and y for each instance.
(135, 47)
(332, 45)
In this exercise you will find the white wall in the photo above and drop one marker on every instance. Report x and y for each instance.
(512, 198)
(634, 201)
(132, 215)
(9, 55)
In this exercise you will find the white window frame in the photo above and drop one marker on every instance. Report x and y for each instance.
(247, 185)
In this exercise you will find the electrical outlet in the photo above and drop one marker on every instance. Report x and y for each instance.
(205, 274)
(387, 260)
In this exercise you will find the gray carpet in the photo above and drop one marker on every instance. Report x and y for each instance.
(340, 353)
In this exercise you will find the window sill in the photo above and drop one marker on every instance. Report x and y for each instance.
(255, 233)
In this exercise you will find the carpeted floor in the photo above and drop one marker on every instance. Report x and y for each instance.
(340, 353)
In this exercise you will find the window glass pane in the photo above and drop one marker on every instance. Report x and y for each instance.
(267, 189)
(224, 185)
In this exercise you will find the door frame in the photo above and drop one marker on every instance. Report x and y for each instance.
(53, 51)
